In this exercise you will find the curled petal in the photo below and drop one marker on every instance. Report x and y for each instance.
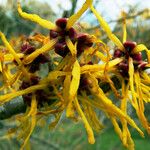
(142, 47)
(110, 106)
(9, 47)
(12, 51)
(35, 18)
(32, 113)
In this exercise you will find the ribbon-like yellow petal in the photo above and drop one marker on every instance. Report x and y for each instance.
(35, 18)
(97, 67)
(32, 112)
(131, 82)
(110, 106)
(116, 126)
(71, 47)
(124, 27)
(11, 50)
(75, 80)
(88, 128)
(7, 97)
(74, 85)
(76, 16)
(37, 52)
(107, 29)
(142, 47)
(55, 74)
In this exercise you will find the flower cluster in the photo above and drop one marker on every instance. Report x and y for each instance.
(78, 65)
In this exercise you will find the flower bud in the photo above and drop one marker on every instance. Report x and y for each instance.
(84, 83)
(142, 65)
(24, 85)
(72, 34)
(61, 23)
(129, 46)
(82, 37)
(43, 58)
(53, 34)
(61, 49)
(84, 41)
(34, 67)
(123, 68)
(26, 48)
(137, 56)
(118, 53)
(34, 80)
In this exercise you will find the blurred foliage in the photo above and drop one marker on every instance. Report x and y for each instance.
(12, 24)
(71, 136)
(138, 28)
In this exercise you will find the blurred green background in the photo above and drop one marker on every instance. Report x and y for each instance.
(69, 135)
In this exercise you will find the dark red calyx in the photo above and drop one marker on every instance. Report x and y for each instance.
(61, 23)
(142, 65)
(137, 56)
(34, 66)
(53, 34)
(84, 83)
(43, 58)
(27, 99)
(123, 68)
(90, 63)
(72, 33)
(89, 44)
(34, 80)
(42, 97)
(24, 85)
(26, 48)
(61, 49)
(118, 53)
(82, 37)
(84, 41)
(129, 45)
(60, 46)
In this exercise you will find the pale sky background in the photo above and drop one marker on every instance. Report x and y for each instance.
(109, 8)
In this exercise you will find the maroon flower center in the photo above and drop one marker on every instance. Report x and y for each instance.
(138, 62)
(61, 33)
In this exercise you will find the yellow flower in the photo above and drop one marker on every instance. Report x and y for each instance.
(131, 73)
(73, 84)
(30, 83)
